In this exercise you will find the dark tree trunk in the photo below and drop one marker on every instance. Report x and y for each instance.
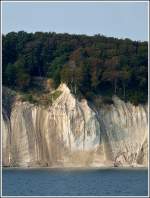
(115, 85)
(124, 90)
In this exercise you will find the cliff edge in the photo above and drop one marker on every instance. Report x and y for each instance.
(69, 133)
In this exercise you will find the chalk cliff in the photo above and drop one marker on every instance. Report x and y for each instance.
(71, 133)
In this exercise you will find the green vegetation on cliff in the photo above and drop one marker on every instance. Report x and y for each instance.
(92, 66)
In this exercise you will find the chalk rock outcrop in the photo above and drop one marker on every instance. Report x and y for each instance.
(71, 133)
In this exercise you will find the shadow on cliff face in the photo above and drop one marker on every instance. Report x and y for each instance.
(143, 154)
(8, 98)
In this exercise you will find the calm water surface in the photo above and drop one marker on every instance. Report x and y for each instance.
(74, 182)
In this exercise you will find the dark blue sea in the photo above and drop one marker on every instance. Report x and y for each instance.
(74, 182)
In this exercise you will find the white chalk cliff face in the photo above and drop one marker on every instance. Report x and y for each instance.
(70, 133)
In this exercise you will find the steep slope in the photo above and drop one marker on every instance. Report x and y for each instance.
(70, 133)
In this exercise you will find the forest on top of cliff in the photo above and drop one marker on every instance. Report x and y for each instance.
(92, 66)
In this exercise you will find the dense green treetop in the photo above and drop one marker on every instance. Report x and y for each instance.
(94, 67)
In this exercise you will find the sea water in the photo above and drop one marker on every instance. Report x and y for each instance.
(74, 182)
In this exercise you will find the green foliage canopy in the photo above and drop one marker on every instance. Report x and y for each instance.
(92, 66)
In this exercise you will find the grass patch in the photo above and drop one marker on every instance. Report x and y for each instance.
(44, 99)
(55, 95)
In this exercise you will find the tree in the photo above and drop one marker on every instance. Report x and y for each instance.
(96, 72)
(9, 51)
(111, 75)
(9, 76)
(22, 77)
(73, 76)
(55, 68)
(125, 75)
